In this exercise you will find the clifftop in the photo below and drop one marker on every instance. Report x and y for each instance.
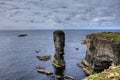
(114, 36)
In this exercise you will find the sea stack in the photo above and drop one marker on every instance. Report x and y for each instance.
(59, 42)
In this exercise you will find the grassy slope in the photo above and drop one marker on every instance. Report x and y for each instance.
(110, 35)
(113, 73)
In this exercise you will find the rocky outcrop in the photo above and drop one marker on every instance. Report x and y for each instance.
(44, 58)
(113, 73)
(59, 42)
(103, 50)
(43, 71)
(22, 35)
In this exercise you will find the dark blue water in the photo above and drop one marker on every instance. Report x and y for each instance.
(18, 58)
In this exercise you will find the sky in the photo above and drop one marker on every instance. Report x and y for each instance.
(59, 14)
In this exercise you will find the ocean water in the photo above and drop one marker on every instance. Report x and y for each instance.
(18, 58)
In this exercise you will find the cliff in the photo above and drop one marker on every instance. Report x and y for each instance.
(103, 51)
(113, 73)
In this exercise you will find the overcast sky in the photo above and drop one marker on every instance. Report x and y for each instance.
(59, 14)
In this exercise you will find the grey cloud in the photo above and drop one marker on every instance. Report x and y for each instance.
(49, 13)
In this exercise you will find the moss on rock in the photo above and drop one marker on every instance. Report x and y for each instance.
(109, 35)
(113, 73)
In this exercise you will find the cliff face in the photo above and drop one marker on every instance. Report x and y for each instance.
(113, 73)
(102, 50)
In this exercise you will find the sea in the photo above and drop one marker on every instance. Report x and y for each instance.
(18, 54)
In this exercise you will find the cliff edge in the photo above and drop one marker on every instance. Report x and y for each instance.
(103, 51)
(113, 73)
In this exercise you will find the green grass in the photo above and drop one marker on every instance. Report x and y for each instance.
(118, 67)
(94, 77)
(110, 35)
(110, 74)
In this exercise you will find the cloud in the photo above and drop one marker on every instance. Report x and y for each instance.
(49, 14)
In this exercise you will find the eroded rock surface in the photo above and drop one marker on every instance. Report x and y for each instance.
(59, 42)
(103, 50)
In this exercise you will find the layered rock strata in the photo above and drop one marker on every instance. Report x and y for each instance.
(59, 42)
(103, 50)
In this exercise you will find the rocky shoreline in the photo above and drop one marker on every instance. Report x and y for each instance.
(103, 51)
(102, 56)
(113, 73)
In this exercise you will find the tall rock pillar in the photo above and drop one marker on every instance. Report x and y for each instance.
(59, 42)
